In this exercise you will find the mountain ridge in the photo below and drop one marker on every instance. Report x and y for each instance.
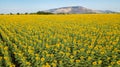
(77, 10)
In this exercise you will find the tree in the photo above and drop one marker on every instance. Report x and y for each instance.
(26, 13)
(18, 13)
(1, 14)
(11, 13)
(42, 12)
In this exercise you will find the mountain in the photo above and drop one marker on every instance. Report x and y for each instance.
(108, 11)
(76, 10)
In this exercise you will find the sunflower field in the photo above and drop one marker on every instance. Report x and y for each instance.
(80, 40)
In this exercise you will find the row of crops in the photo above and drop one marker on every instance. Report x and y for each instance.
(89, 40)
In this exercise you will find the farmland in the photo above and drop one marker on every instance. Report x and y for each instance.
(81, 40)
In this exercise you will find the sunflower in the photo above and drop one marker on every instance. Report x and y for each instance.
(118, 62)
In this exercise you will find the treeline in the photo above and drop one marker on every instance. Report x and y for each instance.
(36, 13)
(48, 13)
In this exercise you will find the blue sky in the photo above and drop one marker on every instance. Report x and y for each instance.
(14, 6)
